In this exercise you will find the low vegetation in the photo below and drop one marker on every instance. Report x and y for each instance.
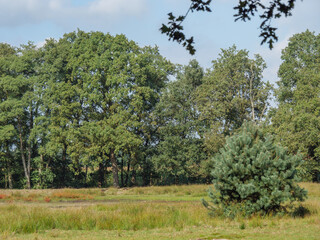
(173, 212)
(172, 193)
(253, 175)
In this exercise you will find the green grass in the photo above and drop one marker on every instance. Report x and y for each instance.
(141, 213)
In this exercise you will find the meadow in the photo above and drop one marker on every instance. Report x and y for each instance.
(168, 212)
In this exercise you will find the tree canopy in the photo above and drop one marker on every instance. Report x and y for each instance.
(232, 92)
(296, 120)
(94, 110)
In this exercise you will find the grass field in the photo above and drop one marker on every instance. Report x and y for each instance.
(173, 212)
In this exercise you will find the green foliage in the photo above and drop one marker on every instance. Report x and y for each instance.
(174, 29)
(100, 92)
(253, 175)
(246, 9)
(232, 92)
(82, 102)
(179, 152)
(91, 109)
(18, 105)
(42, 177)
(296, 121)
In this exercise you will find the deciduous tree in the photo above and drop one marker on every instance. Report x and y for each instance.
(296, 120)
(180, 150)
(232, 91)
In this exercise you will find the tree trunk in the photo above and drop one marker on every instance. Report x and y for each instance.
(29, 144)
(115, 169)
(127, 173)
(251, 94)
(101, 174)
(121, 173)
(40, 170)
(9, 172)
(146, 168)
(64, 162)
(133, 176)
(10, 179)
(5, 181)
(23, 158)
(146, 173)
(29, 162)
(86, 176)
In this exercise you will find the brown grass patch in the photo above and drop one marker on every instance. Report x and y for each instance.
(71, 195)
(3, 196)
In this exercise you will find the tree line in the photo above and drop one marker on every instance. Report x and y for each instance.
(93, 110)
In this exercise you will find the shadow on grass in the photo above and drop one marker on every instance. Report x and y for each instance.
(300, 212)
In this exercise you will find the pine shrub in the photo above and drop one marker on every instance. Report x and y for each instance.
(252, 175)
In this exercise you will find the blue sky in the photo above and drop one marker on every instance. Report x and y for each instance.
(35, 20)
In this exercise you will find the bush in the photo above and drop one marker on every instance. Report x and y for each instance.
(253, 175)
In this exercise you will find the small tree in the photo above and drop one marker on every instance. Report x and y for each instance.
(253, 175)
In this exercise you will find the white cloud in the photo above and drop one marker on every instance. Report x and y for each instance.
(40, 44)
(19, 12)
(116, 7)
(55, 5)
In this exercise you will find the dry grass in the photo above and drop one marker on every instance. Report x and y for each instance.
(3, 196)
(70, 195)
(143, 219)
(174, 193)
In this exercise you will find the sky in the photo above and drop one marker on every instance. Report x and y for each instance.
(36, 20)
